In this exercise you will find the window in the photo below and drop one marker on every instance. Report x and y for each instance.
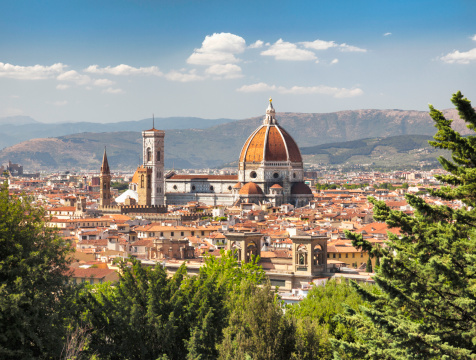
(361, 255)
(294, 175)
(328, 255)
(142, 181)
(181, 233)
(158, 156)
(172, 233)
(276, 175)
(346, 255)
(253, 175)
(149, 155)
(175, 187)
(193, 187)
(334, 256)
(193, 233)
(229, 188)
(161, 234)
(211, 188)
(275, 282)
(203, 233)
(353, 255)
(340, 256)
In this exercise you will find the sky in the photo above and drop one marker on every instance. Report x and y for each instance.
(109, 61)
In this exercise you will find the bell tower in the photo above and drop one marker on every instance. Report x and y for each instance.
(153, 155)
(105, 182)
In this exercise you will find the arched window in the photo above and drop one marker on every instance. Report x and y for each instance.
(142, 181)
(149, 155)
(158, 156)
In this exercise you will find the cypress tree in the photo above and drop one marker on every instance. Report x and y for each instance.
(427, 275)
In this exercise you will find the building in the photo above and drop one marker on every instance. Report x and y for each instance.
(270, 171)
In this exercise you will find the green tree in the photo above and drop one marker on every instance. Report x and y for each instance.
(368, 266)
(33, 264)
(427, 308)
(148, 315)
(257, 327)
(316, 322)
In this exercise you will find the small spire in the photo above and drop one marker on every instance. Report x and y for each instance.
(270, 112)
(105, 164)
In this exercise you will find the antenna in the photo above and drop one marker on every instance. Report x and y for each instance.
(153, 122)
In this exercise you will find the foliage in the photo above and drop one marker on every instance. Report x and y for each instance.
(257, 327)
(149, 315)
(33, 263)
(316, 322)
(427, 274)
(119, 185)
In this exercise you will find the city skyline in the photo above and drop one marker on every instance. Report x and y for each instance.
(118, 61)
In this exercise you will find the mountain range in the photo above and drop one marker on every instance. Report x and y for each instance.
(214, 146)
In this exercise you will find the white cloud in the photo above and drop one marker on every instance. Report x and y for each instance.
(218, 49)
(103, 82)
(227, 71)
(324, 45)
(457, 57)
(256, 45)
(321, 89)
(60, 103)
(387, 34)
(75, 77)
(63, 86)
(318, 44)
(35, 72)
(335, 61)
(183, 76)
(473, 37)
(283, 50)
(351, 48)
(111, 90)
(124, 70)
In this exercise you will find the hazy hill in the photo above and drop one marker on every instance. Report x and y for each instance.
(395, 151)
(16, 129)
(217, 145)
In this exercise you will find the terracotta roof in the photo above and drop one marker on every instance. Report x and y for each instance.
(238, 185)
(276, 186)
(272, 143)
(251, 189)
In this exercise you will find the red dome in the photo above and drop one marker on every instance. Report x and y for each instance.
(301, 188)
(251, 189)
(271, 143)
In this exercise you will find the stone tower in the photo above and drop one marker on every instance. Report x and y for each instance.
(105, 182)
(144, 188)
(153, 155)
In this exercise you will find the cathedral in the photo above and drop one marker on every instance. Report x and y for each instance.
(270, 172)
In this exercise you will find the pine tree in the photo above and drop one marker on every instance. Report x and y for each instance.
(368, 267)
(427, 275)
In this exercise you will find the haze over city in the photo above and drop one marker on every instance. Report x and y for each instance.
(114, 61)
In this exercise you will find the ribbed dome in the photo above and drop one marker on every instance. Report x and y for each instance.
(251, 189)
(270, 142)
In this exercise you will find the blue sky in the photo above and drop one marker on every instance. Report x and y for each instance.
(105, 61)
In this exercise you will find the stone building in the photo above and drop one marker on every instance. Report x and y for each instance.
(270, 171)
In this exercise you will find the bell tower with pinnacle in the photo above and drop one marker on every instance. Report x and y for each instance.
(153, 155)
(105, 182)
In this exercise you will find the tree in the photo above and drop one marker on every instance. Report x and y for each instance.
(33, 266)
(148, 314)
(368, 266)
(427, 275)
(257, 327)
